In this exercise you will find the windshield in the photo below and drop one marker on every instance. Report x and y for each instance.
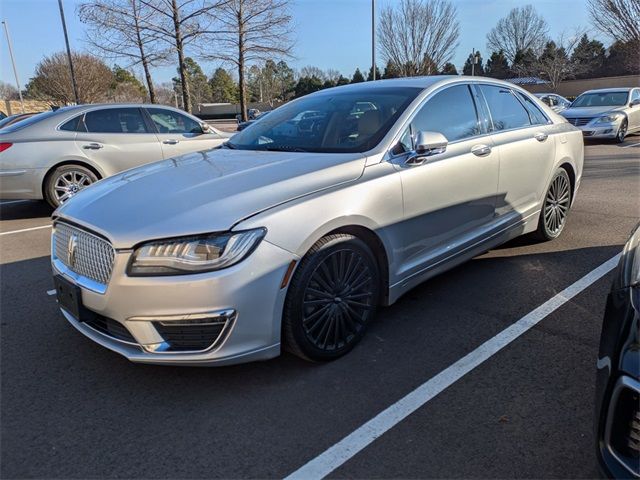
(601, 99)
(338, 121)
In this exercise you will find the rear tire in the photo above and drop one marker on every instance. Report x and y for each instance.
(65, 181)
(331, 299)
(555, 207)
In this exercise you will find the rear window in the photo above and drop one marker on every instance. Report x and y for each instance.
(29, 121)
(115, 120)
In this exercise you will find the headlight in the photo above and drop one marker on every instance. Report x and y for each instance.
(194, 254)
(612, 117)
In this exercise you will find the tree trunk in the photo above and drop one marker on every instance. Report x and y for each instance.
(241, 79)
(186, 97)
(143, 56)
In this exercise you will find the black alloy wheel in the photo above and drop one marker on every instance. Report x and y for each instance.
(331, 299)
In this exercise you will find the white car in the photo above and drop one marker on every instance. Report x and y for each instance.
(53, 155)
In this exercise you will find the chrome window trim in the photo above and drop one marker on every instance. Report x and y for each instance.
(623, 382)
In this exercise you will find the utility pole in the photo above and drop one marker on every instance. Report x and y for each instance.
(13, 63)
(473, 62)
(373, 39)
(66, 41)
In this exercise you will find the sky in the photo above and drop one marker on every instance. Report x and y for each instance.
(328, 33)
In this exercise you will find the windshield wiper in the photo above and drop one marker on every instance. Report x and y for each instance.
(283, 148)
(229, 145)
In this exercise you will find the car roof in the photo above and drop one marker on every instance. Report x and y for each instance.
(605, 90)
(417, 82)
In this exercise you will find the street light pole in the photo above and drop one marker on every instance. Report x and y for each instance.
(66, 41)
(373, 39)
(13, 63)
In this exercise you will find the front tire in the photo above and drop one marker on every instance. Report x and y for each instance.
(331, 299)
(622, 131)
(65, 181)
(555, 207)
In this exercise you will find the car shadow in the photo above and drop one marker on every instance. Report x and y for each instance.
(24, 210)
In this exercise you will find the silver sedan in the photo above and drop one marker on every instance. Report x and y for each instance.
(54, 155)
(294, 232)
(609, 113)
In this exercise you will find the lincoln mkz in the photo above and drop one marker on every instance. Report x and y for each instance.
(295, 230)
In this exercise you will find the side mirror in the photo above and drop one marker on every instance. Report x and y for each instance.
(635, 102)
(427, 144)
(205, 127)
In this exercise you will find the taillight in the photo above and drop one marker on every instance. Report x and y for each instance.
(4, 146)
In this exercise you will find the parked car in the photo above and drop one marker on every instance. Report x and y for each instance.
(606, 113)
(11, 119)
(298, 231)
(243, 125)
(618, 374)
(556, 102)
(54, 155)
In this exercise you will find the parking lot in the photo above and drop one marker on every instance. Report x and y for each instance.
(71, 408)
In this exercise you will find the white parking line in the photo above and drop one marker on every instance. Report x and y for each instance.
(7, 202)
(632, 145)
(51, 292)
(353, 443)
(24, 230)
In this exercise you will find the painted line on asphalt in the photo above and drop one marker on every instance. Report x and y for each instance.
(13, 201)
(24, 230)
(51, 292)
(632, 145)
(349, 446)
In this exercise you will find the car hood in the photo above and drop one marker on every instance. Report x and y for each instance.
(583, 112)
(202, 192)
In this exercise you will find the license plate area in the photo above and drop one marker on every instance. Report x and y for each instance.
(69, 296)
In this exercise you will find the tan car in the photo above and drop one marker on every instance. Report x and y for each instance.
(53, 155)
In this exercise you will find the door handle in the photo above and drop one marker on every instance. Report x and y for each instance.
(541, 137)
(481, 150)
(171, 141)
(93, 146)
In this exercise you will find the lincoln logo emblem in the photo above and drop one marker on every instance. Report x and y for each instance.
(71, 249)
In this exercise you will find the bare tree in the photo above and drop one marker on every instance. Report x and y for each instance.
(8, 91)
(52, 78)
(250, 31)
(522, 29)
(417, 34)
(555, 63)
(618, 19)
(313, 71)
(179, 23)
(117, 29)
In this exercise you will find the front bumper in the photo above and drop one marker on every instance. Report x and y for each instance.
(248, 292)
(600, 130)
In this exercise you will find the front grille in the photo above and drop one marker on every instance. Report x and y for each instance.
(110, 327)
(83, 253)
(190, 337)
(579, 121)
(625, 433)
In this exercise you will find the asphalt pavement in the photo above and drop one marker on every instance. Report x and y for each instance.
(72, 409)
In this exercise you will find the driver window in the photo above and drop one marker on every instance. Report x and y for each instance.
(168, 121)
(451, 112)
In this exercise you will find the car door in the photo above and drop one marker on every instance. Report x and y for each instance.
(180, 134)
(117, 138)
(522, 135)
(634, 111)
(449, 199)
